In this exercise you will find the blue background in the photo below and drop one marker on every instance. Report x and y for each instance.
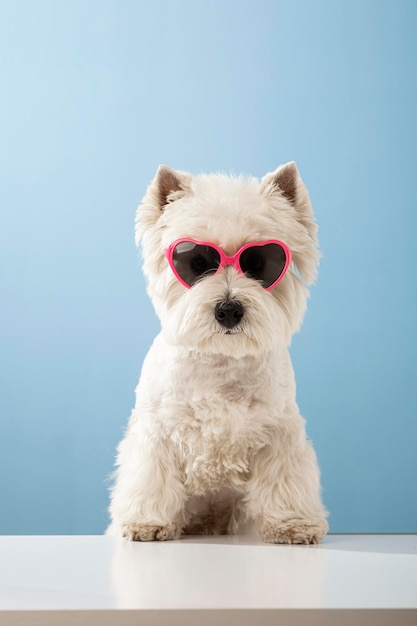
(94, 95)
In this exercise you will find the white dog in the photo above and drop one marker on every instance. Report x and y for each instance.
(216, 437)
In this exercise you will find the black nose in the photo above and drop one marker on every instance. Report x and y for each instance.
(229, 313)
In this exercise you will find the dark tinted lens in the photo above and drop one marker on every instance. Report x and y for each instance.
(264, 263)
(192, 261)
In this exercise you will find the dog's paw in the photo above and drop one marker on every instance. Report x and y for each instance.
(294, 531)
(149, 532)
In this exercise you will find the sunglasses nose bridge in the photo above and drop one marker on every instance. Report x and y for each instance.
(230, 261)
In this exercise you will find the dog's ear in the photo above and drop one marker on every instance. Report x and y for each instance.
(167, 186)
(286, 181)
(168, 183)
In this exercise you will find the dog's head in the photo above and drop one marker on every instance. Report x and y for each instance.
(228, 311)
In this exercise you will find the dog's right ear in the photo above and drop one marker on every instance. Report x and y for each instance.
(169, 183)
(167, 186)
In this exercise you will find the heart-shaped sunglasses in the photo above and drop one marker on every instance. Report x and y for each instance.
(264, 261)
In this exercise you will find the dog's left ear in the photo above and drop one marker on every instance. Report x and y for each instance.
(284, 179)
(287, 182)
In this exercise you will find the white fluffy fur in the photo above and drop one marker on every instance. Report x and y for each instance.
(216, 437)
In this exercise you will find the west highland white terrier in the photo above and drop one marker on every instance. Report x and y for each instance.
(216, 437)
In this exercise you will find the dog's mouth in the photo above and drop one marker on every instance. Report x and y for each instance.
(234, 331)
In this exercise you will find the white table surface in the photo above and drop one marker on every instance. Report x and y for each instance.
(207, 580)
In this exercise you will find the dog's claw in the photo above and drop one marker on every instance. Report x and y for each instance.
(149, 532)
(294, 531)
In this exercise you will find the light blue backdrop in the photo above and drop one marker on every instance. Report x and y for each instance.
(94, 95)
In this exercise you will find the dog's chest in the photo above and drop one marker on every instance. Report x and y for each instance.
(218, 438)
(212, 467)
(218, 412)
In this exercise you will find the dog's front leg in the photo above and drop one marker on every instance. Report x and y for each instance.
(148, 497)
(283, 492)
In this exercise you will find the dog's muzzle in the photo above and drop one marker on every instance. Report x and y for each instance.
(229, 313)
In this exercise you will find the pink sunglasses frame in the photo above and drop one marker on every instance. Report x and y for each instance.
(228, 260)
